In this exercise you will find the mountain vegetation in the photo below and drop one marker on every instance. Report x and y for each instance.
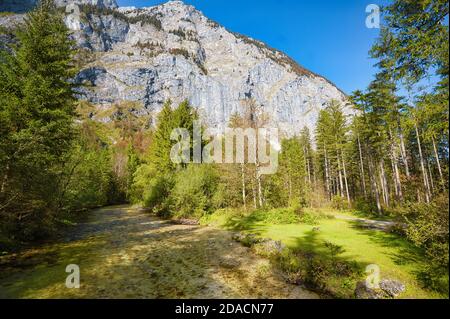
(388, 161)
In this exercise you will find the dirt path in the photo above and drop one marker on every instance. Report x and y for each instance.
(124, 253)
(370, 223)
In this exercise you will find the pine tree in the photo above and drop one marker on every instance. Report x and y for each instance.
(160, 152)
(37, 111)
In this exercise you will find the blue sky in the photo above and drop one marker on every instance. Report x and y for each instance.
(328, 37)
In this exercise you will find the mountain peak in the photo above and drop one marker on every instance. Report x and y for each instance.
(144, 56)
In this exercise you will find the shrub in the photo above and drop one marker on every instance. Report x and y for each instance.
(364, 206)
(192, 195)
(319, 271)
(151, 189)
(309, 218)
(183, 52)
(282, 216)
(339, 202)
(428, 228)
(156, 195)
(277, 216)
(179, 32)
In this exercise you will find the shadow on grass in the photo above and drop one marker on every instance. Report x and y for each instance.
(321, 267)
(405, 253)
(372, 216)
(250, 223)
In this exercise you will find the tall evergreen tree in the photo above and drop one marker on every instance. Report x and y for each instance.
(37, 111)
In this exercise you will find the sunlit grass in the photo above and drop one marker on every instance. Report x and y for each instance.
(396, 257)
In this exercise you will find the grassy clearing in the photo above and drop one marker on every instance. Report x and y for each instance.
(396, 257)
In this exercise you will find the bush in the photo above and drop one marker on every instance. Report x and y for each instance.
(194, 190)
(364, 206)
(320, 271)
(151, 189)
(223, 198)
(277, 216)
(309, 218)
(339, 202)
(156, 195)
(428, 228)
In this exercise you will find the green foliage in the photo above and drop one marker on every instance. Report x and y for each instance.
(133, 163)
(182, 117)
(144, 19)
(194, 191)
(321, 271)
(179, 32)
(428, 228)
(334, 249)
(163, 185)
(156, 195)
(36, 126)
(277, 216)
(183, 52)
(287, 186)
(88, 181)
(339, 202)
(415, 38)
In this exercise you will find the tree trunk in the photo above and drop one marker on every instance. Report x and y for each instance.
(403, 152)
(431, 177)
(308, 168)
(255, 202)
(373, 184)
(397, 181)
(244, 196)
(383, 191)
(361, 162)
(345, 179)
(395, 170)
(341, 184)
(422, 166)
(384, 183)
(314, 173)
(305, 156)
(309, 171)
(259, 184)
(438, 162)
(327, 176)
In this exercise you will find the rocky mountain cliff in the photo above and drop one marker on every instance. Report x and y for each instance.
(21, 6)
(142, 57)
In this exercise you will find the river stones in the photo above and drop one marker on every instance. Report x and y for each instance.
(387, 289)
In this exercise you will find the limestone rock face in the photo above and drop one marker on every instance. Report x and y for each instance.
(145, 56)
(112, 4)
(21, 6)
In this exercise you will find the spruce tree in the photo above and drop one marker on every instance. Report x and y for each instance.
(37, 111)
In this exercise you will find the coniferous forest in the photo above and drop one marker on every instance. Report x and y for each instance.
(359, 189)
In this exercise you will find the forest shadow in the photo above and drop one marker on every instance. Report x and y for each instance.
(405, 253)
(313, 245)
(250, 223)
(323, 267)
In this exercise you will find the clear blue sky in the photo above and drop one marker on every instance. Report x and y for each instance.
(328, 37)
